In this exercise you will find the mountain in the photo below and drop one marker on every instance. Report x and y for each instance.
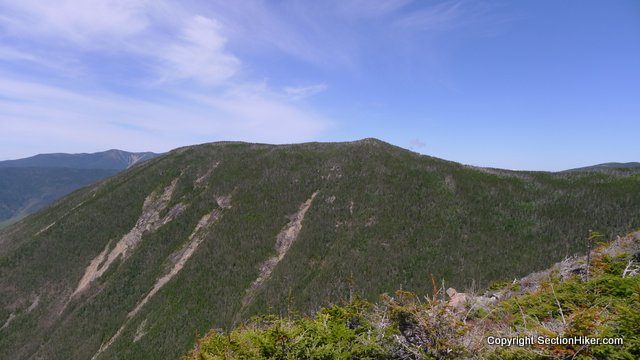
(518, 319)
(630, 167)
(26, 190)
(27, 185)
(142, 263)
(110, 159)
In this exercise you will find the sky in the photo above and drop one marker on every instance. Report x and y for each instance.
(531, 85)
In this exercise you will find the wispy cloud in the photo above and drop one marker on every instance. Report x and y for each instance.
(79, 22)
(186, 89)
(160, 74)
(449, 15)
(169, 41)
(189, 41)
(301, 92)
(68, 120)
(287, 27)
(8, 53)
(439, 17)
(368, 9)
(200, 54)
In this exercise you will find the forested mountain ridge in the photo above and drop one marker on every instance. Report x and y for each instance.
(29, 184)
(110, 159)
(612, 167)
(206, 236)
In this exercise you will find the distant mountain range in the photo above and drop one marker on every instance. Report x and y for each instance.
(110, 159)
(29, 184)
(629, 167)
(205, 237)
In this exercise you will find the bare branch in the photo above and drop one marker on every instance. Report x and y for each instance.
(558, 303)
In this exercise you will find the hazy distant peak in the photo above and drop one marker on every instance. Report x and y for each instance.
(610, 166)
(110, 159)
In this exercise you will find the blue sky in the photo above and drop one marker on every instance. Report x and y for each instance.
(538, 85)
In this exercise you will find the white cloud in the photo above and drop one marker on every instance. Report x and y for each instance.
(57, 119)
(334, 33)
(163, 38)
(189, 40)
(62, 112)
(300, 92)
(181, 64)
(307, 31)
(78, 21)
(255, 113)
(200, 54)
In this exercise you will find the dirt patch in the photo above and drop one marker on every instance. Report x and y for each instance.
(34, 304)
(65, 214)
(370, 221)
(185, 253)
(284, 240)
(450, 183)
(6, 323)
(106, 345)
(201, 179)
(141, 331)
(44, 229)
(224, 201)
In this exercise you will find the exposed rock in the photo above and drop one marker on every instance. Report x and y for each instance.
(284, 240)
(450, 183)
(34, 304)
(141, 331)
(457, 300)
(149, 221)
(224, 201)
(183, 255)
(6, 323)
(44, 229)
(451, 292)
(199, 181)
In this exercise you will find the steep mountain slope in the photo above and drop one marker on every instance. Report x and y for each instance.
(27, 185)
(206, 236)
(519, 319)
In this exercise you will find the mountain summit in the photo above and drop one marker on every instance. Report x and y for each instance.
(137, 265)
